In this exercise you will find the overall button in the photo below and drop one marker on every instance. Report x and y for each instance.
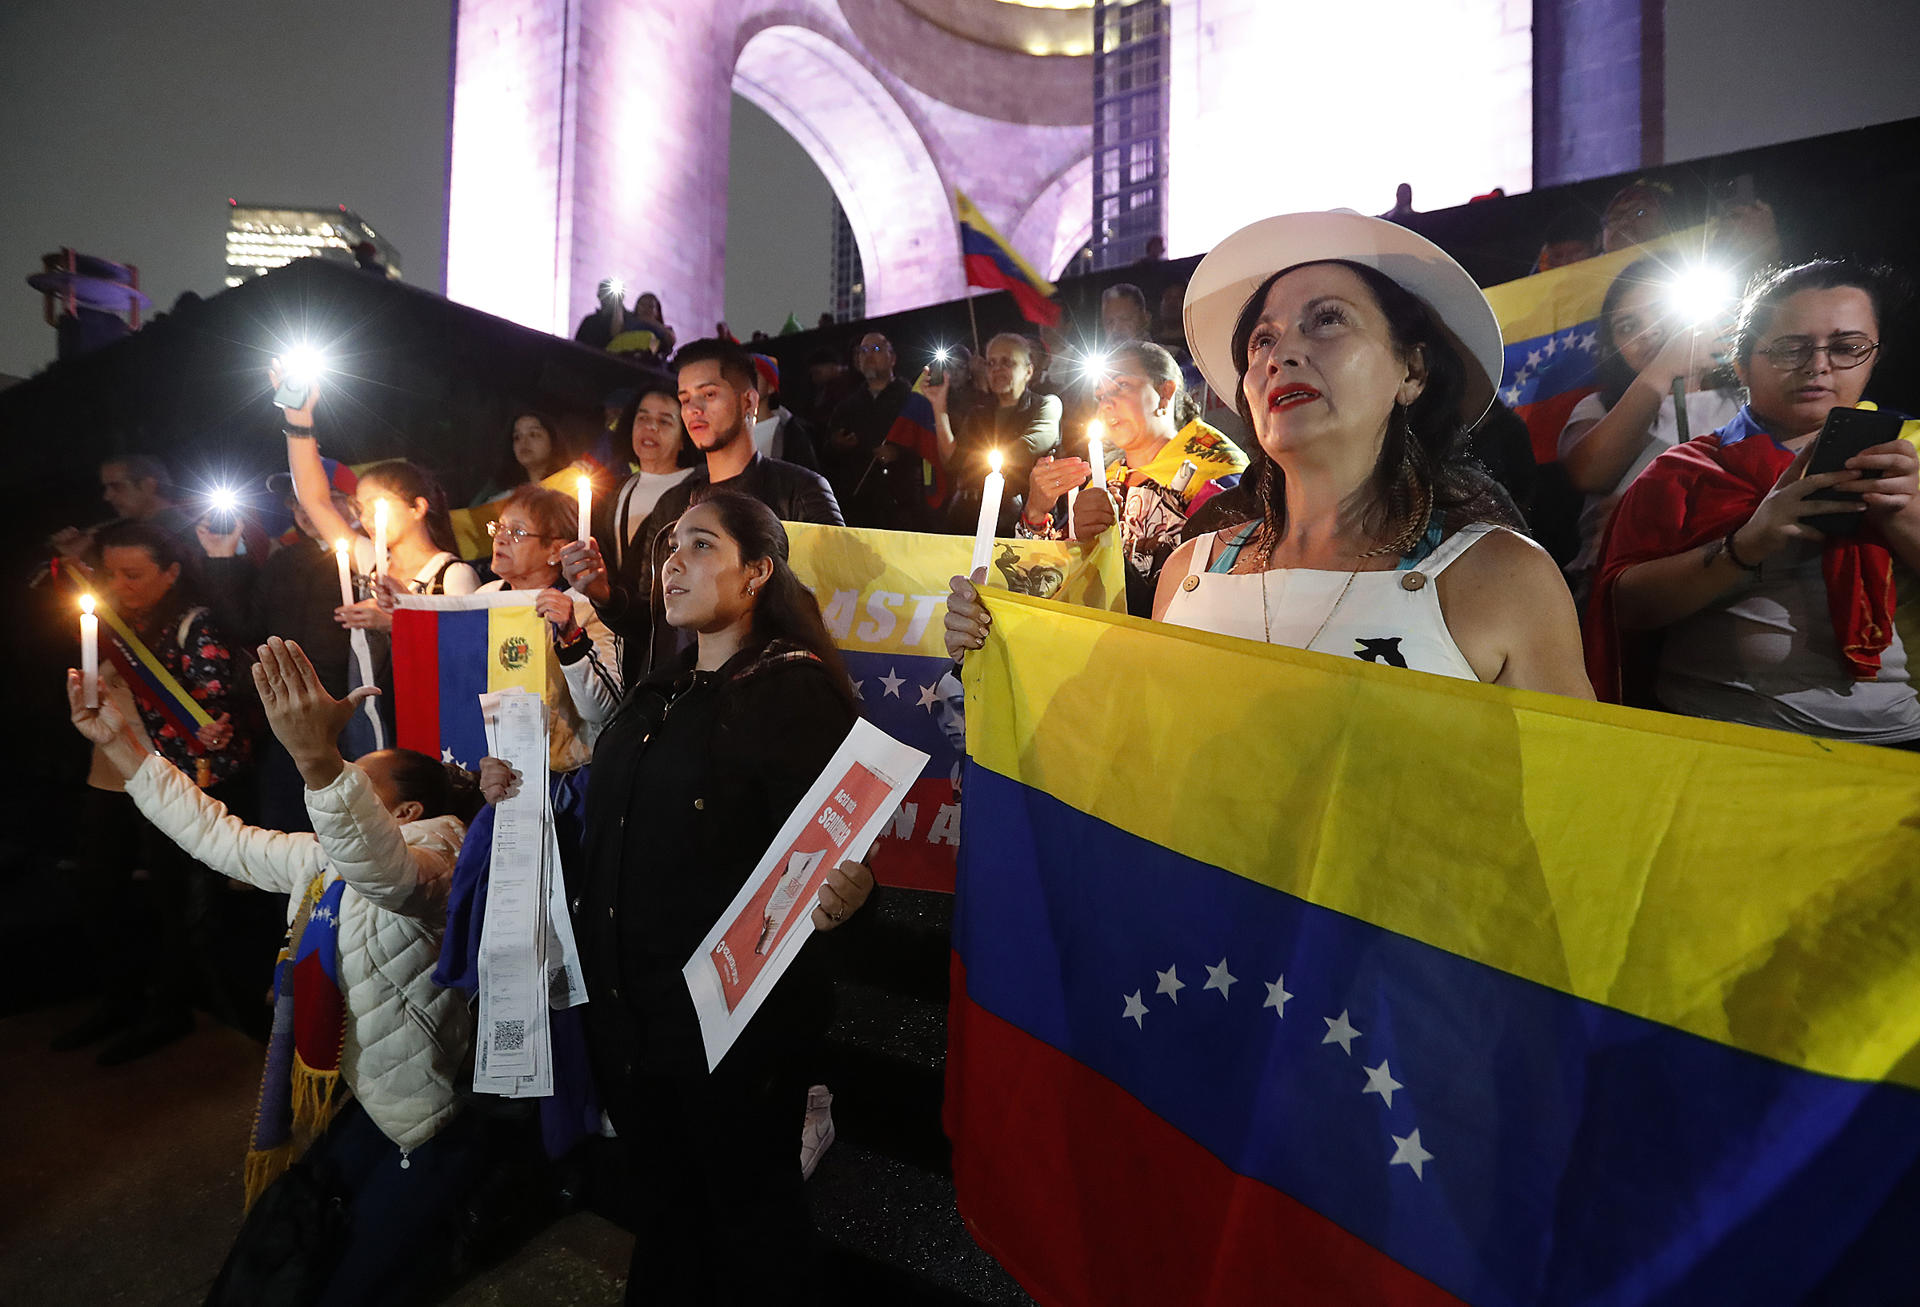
(700, 805)
(1413, 581)
(1191, 583)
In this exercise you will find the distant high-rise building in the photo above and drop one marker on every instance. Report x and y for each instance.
(849, 279)
(262, 237)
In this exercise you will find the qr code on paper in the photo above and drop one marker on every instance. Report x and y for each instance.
(508, 1036)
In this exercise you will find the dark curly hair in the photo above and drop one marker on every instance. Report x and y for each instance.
(1424, 458)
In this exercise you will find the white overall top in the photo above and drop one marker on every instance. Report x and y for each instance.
(1381, 617)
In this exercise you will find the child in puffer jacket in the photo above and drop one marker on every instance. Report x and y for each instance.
(365, 1047)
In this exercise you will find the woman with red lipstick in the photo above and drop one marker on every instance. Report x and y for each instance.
(1360, 354)
(1763, 618)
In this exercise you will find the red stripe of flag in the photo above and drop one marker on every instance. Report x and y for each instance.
(416, 680)
(984, 271)
(1064, 1158)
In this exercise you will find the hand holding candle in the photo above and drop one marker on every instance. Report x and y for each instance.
(89, 653)
(989, 515)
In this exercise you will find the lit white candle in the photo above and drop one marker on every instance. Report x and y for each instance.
(586, 508)
(343, 555)
(989, 515)
(89, 653)
(379, 539)
(1097, 450)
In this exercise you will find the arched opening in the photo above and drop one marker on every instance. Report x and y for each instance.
(779, 227)
(872, 156)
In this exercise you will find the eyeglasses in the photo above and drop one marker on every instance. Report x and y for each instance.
(1790, 353)
(874, 349)
(513, 534)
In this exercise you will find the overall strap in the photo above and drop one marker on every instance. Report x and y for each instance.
(1235, 543)
(1455, 545)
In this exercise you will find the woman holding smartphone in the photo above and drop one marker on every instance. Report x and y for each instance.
(1764, 618)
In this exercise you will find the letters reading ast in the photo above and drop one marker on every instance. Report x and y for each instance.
(884, 609)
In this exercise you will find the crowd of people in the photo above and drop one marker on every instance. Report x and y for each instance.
(1294, 453)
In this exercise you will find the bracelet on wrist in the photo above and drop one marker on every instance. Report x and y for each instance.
(297, 433)
(1733, 555)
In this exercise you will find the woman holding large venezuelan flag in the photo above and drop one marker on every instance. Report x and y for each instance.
(1359, 355)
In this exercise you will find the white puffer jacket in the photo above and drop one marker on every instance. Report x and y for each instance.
(406, 1036)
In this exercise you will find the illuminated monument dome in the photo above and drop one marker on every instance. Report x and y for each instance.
(262, 237)
(590, 137)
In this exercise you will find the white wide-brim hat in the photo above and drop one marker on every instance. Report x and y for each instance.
(1228, 277)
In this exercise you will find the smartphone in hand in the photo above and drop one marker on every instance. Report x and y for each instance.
(1847, 432)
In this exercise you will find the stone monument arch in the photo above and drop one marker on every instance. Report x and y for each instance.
(590, 139)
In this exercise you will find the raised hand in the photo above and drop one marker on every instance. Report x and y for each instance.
(304, 717)
(1052, 478)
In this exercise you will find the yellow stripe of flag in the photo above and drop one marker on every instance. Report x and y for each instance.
(1752, 887)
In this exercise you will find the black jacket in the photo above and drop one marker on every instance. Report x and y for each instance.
(692, 778)
(793, 493)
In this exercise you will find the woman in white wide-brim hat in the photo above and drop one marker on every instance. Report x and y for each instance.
(1359, 355)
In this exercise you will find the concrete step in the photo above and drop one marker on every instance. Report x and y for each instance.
(893, 1234)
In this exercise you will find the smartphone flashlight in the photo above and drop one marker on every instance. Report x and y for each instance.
(223, 510)
(1701, 292)
(300, 367)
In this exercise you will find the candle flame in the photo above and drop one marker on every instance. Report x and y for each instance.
(993, 460)
(380, 512)
(340, 547)
(86, 604)
(586, 482)
(1096, 429)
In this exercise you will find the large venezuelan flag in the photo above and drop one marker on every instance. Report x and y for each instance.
(1551, 325)
(448, 650)
(884, 597)
(1281, 978)
(991, 262)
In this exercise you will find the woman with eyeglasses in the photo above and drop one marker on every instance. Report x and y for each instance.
(1169, 463)
(1762, 617)
(583, 675)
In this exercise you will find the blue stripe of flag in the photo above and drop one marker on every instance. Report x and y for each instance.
(465, 647)
(1578, 1155)
(1541, 367)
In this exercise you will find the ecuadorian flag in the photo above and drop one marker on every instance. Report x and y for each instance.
(448, 650)
(884, 597)
(1554, 336)
(1286, 978)
(996, 265)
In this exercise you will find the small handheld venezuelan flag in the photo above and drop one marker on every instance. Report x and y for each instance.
(448, 650)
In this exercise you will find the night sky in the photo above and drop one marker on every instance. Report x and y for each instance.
(124, 128)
